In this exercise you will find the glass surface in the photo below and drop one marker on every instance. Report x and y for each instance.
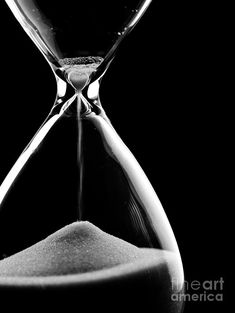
(108, 187)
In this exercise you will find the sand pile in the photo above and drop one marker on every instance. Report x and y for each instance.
(80, 247)
(81, 267)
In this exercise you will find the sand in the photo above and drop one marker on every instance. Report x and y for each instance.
(78, 248)
(81, 268)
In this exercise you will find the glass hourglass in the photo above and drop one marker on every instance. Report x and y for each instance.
(130, 244)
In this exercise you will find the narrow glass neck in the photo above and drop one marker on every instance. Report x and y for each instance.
(76, 101)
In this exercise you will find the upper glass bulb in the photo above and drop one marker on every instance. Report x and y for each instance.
(71, 29)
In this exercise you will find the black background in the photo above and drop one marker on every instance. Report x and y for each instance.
(166, 94)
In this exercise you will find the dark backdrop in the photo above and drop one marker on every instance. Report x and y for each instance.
(166, 94)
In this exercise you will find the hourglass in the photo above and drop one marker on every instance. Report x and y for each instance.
(118, 239)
